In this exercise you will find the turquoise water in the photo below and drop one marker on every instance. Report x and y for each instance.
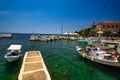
(60, 57)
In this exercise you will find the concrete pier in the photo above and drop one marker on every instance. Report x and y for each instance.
(5, 35)
(33, 67)
(43, 38)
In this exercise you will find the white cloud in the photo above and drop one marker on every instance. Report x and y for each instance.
(3, 12)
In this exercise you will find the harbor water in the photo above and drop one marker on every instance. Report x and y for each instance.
(60, 57)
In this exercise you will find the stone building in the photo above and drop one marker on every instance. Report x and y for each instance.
(108, 25)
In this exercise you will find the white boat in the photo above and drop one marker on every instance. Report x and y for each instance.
(14, 53)
(111, 45)
(99, 56)
(110, 42)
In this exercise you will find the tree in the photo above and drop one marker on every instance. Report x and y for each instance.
(93, 32)
(90, 32)
(107, 33)
(81, 32)
(76, 32)
(87, 32)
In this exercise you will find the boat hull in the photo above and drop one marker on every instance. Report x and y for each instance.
(11, 58)
(114, 64)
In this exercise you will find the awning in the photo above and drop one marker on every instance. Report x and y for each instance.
(14, 47)
(68, 33)
(81, 40)
(114, 32)
(100, 32)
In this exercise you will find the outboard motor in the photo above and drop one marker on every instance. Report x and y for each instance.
(88, 49)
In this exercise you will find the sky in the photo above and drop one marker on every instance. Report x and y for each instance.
(47, 16)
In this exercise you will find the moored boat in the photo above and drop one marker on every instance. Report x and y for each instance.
(14, 53)
(99, 56)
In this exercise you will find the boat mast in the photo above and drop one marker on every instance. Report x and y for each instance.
(99, 31)
(61, 29)
(33, 33)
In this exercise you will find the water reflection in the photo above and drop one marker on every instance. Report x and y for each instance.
(12, 67)
(107, 70)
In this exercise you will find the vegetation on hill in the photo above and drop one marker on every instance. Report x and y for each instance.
(92, 32)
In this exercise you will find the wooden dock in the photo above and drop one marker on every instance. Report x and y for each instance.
(33, 67)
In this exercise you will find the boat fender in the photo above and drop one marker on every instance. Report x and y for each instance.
(78, 49)
(83, 55)
(92, 58)
(98, 49)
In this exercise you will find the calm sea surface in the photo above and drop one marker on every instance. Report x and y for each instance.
(61, 59)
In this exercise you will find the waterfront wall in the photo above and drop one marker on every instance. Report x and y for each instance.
(5, 35)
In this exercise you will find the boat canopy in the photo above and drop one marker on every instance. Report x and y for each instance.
(14, 47)
(82, 40)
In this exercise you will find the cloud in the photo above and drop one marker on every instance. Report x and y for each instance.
(3, 12)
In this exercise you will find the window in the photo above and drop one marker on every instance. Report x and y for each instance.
(112, 26)
(103, 26)
(116, 26)
(108, 26)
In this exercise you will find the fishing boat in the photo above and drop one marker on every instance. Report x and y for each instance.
(110, 42)
(111, 45)
(14, 53)
(100, 52)
(100, 56)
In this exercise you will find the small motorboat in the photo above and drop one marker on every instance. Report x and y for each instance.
(14, 53)
(99, 56)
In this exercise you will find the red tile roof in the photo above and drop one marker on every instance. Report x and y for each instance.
(110, 22)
